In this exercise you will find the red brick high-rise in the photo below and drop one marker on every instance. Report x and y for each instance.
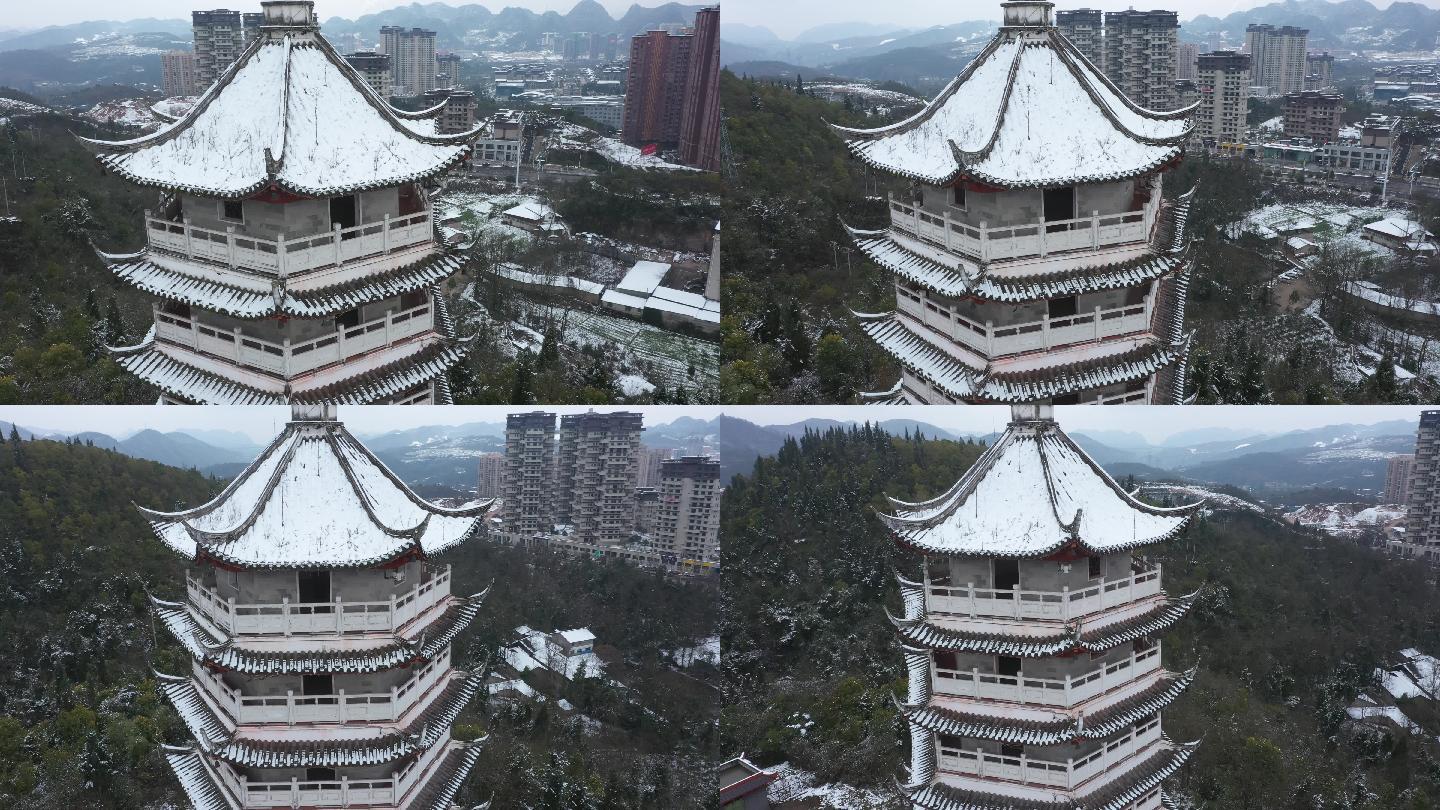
(672, 91)
(700, 121)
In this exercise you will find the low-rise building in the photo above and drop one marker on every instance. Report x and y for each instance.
(1400, 235)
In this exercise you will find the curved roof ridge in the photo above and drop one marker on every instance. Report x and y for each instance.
(934, 105)
(235, 483)
(965, 158)
(1071, 526)
(433, 508)
(204, 538)
(1063, 437)
(365, 498)
(1086, 68)
(957, 491)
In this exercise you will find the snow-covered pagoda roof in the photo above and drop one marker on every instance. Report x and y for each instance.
(1031, 494)
(1029, 111)
(315, 498)
(288, 115)
(1060, 728)
(388, 653)
(1115, 794)
(1074, 637)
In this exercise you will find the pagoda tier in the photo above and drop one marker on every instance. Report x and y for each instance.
(320, 633)
(1035, 256)
(295, 249)
(1032, 641)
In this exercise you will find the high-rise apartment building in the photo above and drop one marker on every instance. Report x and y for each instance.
(1277, 58)
(700, 118)
(220, 36)
(1140, 55)
(1320, 70)
(1187, 55)
(528, 486)
(1314, 115)
(1223, 79)
(688, 521)
(447, 70)
(672, 91)
(375, 68)
(1397, 479)
(1422, 513)
(177, 74)
(492, 475)
(1085, 27)
(596, 474)
(412, 59)
(650, 459)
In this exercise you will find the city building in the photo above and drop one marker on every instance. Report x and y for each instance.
(1187, 94)
(220, 36)
(1036, 257)
(1319, 71)
(447, 70)
(595, 475)
(1141, 48)
(700, 116)
(413, 66)
(1187, 61)
(1314, 115)
(1085, 28)
(1277, 58)
(528, 485)
(688, 520)
(499, 141)
(457, 113)
(1421, 539)
(647, 508)
(650, 459)
(743, 785)
(299, 269)
(177, 74)
(491, 482)
(1397, 479)
(1032, 636)
(318, 629)
(1356, 157)
(655, 88)
(1223, 81)
(374, 68)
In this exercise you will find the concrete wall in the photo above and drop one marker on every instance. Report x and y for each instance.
(298, 330)
(295, 219)
(1002, 314)
(1035, 575)
(268, 587)
(1026, 205)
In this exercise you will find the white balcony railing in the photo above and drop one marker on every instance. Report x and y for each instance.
(987, 244)
(1067, 774)
(1012, 338)
(291, 709)
(282, 257)
(343, 791)
(338, 617)
(286, 358)
(1067, 691)
(1061, 605)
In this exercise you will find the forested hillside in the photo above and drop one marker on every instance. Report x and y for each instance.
(1289, 635)
(81, 724)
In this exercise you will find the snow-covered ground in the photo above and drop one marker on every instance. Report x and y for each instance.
(706, 650)
(1345, 519)
(792, 785)
(1330, 218)
(1189, 493)
(130, 112)
(576, 137)
(11, 106)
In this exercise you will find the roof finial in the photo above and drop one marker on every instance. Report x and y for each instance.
(312, 412)
(1032, 412)
(290, 14)
(1029, 14)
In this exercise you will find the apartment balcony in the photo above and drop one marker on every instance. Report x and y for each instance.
(288, 359)
(994, 340)
(339, 617)
(1066, 774)
(1061, 692)
(342, 791)
(1062, 605)
(291, 709)
(283, 257)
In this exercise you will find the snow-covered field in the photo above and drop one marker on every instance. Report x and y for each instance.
(1344, 519)
(792, 785)
(659, 354)
(130, 112)
(574, 136)
(1322, 216)
(1189, 493)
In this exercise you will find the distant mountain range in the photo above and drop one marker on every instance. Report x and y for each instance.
(924, 57)
(1338, 458)
(61, 58)
(437, 460)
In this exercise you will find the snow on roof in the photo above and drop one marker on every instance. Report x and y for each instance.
(1415, 235)
(1031, 493)
(643, 278)
(316, 497)
(614, 296)
(1297, 243)
(577, 635)
(1030, 110)
(291, 114)
(532, 210)
(1373, 294)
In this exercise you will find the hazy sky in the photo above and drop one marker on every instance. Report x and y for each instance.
(262, 423)
(787, 19)
(59, 12)
(1154, 422)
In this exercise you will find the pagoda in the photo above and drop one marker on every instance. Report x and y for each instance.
(1032, 638)
(319, 633)
(293, 250)
(1034, 255)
